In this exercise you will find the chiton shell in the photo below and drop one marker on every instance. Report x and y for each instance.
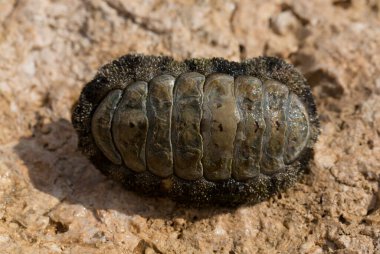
(203, 131)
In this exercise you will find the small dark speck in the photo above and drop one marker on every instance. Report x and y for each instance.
(343, 220)
(277, 125)
(220, 126)
(132, 125)
(243, 51)
(370, 144)
(256, 126)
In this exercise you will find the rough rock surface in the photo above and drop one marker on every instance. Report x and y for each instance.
(52, 200)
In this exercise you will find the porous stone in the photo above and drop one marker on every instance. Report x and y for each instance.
(53, 200)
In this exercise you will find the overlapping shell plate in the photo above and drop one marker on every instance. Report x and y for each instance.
(203, 131)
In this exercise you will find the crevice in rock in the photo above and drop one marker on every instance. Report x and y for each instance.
(288, 7)
(142, 22)
(143, 247)
(345, 4)
(375, 202)
(58, 226)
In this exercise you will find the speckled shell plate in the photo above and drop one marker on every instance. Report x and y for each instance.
(201, 131)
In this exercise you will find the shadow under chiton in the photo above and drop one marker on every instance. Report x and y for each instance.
(201, 131)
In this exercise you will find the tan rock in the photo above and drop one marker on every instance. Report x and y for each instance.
(52, 200)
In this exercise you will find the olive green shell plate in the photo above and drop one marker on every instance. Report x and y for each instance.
(244, 184)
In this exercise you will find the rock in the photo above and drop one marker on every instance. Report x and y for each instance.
(285, 22)
(52, 200)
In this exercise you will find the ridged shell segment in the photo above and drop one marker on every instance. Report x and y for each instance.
(219, 124)
(159, 154)
(249, 135)
(186, 126)
(130, 126)
(275, 105)
(101, 123)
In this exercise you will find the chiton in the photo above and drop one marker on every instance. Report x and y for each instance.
(201, 131)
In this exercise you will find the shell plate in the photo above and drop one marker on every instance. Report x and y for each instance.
(202, 131)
